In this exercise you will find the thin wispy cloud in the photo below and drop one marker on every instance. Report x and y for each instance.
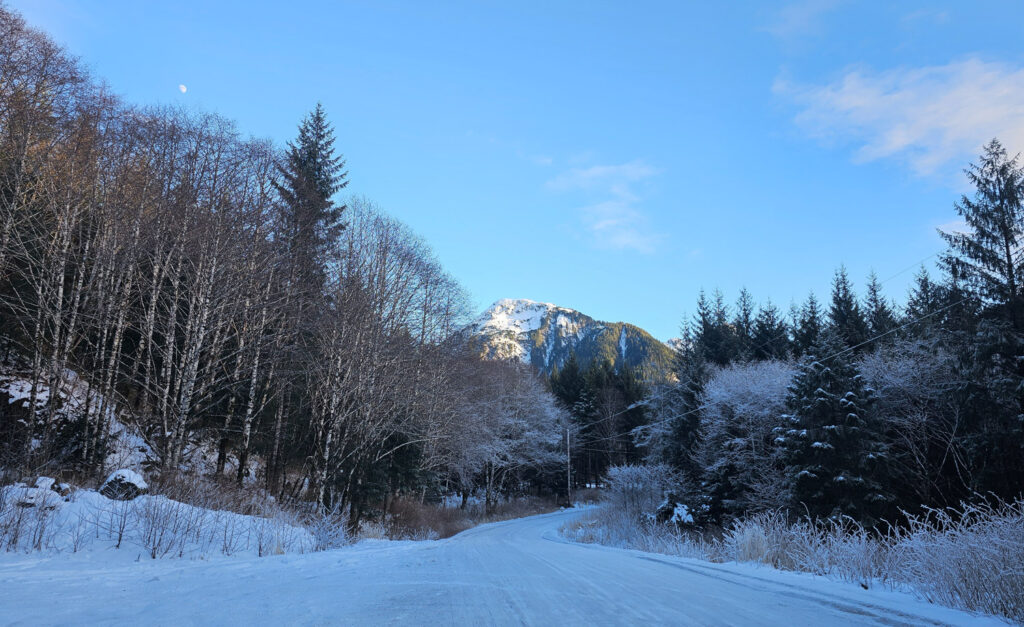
(932, 16)
(614, 220)
(927, 117)
(955, 225)
(515, 146)
(543, 160)
(602, 176)
(801, 19)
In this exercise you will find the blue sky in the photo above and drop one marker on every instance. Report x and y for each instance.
(611, 157)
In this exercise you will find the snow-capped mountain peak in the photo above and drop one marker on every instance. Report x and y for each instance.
(544, 335)
(519, 315)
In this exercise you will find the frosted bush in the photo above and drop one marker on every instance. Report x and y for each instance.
(610, 527)
(329, 529)
(637, 491)
(971, 558)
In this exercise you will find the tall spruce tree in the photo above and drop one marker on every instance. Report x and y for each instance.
(680, 406)
(807, 326)
(714, 337)
(310, 175)
(833, 449)
(309, 224)
(844, 315)
(771, 334)
(881, 318)
(924, 302)
(985, 267)
(568, 382)
(987, 256)
(743, 325)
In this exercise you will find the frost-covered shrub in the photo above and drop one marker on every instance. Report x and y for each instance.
(841, 548)
(229, 532)
(971, 558)
(769, 538)
(40, 519)
(638, 491)
(329, 529)
(167, 527)
(603, 525)
(277, 534)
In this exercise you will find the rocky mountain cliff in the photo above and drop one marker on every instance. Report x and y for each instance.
(544, 335)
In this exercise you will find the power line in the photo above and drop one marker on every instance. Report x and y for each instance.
(823, 359)
(913, 265)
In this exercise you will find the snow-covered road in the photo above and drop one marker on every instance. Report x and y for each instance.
(514, 572)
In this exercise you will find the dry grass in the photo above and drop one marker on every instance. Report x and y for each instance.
(408, 519)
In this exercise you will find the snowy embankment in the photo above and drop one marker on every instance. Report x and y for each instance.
(56, 523)
(75, 400)
(78, 401)
(513, 572)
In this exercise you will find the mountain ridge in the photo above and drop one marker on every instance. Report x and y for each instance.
(544, 335)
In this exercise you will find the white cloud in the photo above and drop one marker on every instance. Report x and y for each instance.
(603, 176)
(927, 117)
(613, 221)
(927, 15)
(955, 225)
(616, 225)
(801, 19)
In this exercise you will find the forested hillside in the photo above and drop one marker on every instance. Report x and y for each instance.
(217, 299)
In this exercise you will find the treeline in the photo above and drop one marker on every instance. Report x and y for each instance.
(211, 292)
(857, 407)
(604, 404)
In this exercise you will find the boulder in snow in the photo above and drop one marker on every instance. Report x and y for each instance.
(41, 495)
(124, 485)
(63, 489)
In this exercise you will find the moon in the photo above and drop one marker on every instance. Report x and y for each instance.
(182, 88)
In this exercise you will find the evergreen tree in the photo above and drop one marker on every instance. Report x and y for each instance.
(881, 318)
(743, 325)
(987, 257)
(924, 302)
(771, 334)
(844, 315)
(960, 308)
(568, 383)
(833, 450)
(713, 336)
(807, 326)
(985, 268)
(993, 428)
(680, 408)
(310, 175)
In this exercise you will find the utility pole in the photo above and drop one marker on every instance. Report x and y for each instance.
(568, 468)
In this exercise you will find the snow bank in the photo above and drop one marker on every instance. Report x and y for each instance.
(39, 519)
